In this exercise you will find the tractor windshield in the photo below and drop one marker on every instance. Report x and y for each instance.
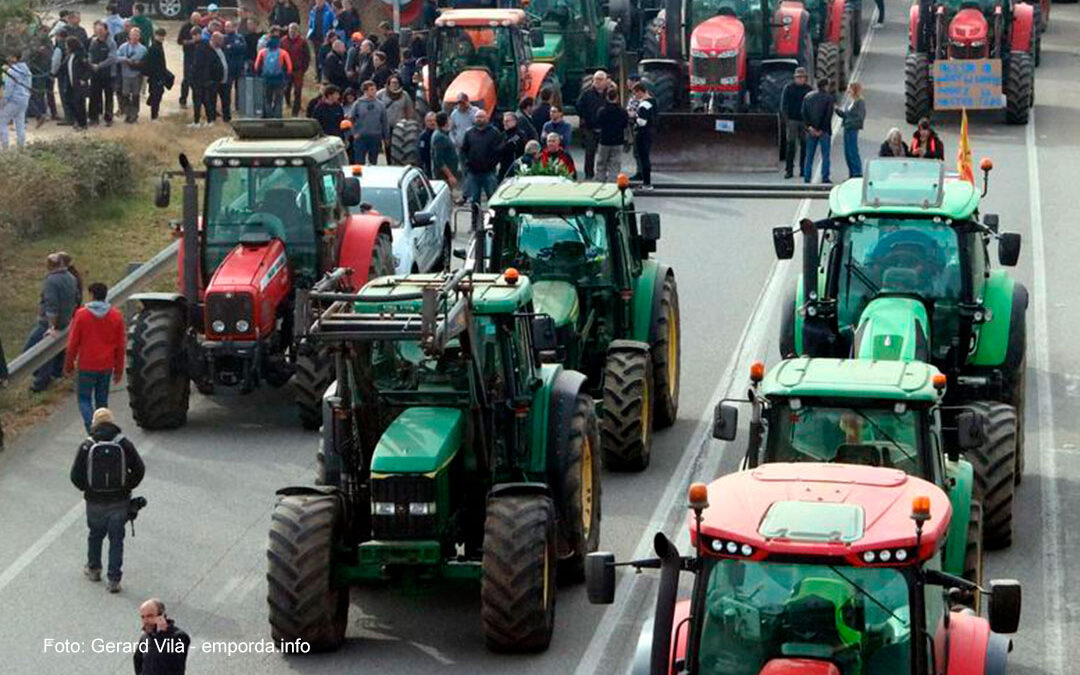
(857, 618)
(900, 256)
(571, 248)
(402, 366)
(874, 436)
(463, 47)
(249, 201)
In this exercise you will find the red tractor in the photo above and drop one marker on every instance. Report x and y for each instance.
(997, 36)
(815, 569)
(274, 221)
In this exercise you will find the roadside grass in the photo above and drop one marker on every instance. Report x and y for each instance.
(112, 234)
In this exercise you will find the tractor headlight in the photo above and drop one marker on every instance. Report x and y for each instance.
(421, 508)
(242, 326)
(729, 80)
(218, 326)
(382, 508)
(869, 557)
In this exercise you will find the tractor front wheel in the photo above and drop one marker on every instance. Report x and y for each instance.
(995, 465)
(918, 89)
(1019, 87)
(304, 602)
(973, 555)
(663, 85)
(666, 356)
(404, 143)
(517, 591)
(579, 505)
(158, 383)
(626, 428)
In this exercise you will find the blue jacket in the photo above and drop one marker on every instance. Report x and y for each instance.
(235, 48)
(327, 22)
(17, 82)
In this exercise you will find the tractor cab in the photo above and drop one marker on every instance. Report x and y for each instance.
(827, 569)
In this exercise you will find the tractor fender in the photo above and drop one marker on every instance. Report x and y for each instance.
(356, 243)
(787, 36)
(835, 26)
(913, 27)
(562, 402)
(1022, 26)
(534, 79)
(1006, 300)
(648, 288)
(962, 476)
(643, 650)
(159, 299)
(319, 491)
(504, 489)
(997, 654)
(795, 338)
(968, 640)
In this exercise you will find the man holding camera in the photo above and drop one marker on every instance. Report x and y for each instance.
(107, 468)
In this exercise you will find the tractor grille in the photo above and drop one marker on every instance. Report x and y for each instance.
(228, 308)
(960, 50)
(402, 492)
(713, 69)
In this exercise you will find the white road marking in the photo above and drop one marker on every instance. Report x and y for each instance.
(30, 555)
(1054, 609)
(226, 590)
(689, 465)
(433, 653)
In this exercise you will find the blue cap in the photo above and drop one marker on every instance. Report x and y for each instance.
(212, 7)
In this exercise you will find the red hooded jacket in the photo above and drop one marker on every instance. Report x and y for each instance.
(96, 339)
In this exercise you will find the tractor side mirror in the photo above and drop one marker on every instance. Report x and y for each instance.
(991, 221)
(423, 219)
(1004, 605)
(536, 38)
(783, 241)
(725, 421)
(650, 226)
(970, 429)
(350, 191)
(544, 338)
(600, 577)
(1008, 248)
(459, 253)
(162, 193)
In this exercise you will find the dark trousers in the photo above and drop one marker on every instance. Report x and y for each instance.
(274, 95)
(54, 369)
(591, 139)
(795, 132)
(203, 98)
(880, 10)
(101, 97)
(77, 97)
(224, 94)
(643, 144)
(294, 93)
(64, 89)
(851, 153)
(824, 141)
(93, 393)
(106, 520)
(366, 149)
(157, 92)
(185, 85)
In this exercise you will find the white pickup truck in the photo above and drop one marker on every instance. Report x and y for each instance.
(421, 211)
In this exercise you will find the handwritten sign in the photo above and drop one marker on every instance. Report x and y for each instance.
(974, 84)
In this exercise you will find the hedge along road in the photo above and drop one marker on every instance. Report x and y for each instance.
(200, 545)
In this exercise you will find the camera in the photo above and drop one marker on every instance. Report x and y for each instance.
(134, 506)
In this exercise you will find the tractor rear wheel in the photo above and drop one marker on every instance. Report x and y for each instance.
(1016, 396)
(666, 356)
(517, 591)
(1019, 87)
(626, 428)
(404, 143)
(314, 373)
(304, 602)
(918, 89)
(579, 504)
(995, 463)
(158, 383)
(973, 554)
(770, 88)
(828, 66)
(663, 84)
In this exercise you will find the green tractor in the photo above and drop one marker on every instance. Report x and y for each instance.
(449, 451)
(616, 311)
(900, 271)
(875, 413)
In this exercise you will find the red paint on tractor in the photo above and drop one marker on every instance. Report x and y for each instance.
(913, 27)
(713, 38)
(356, 243)
(968, 636)
(260, 271)
(799, 667)
(836, 22)
(534, 79)
(1023, 25)
(789, 26)
(968, 35)
(679, 637)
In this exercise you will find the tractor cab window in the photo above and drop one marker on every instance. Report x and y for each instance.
(402, 366)
(874, 436)
(857, 618)
(465, 47)
(918, 258)
(275, 201)
(556, 11)
(572, 248)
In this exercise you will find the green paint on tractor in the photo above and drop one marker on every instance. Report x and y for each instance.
(559, 300)
(491, 294)
(419, 440)
(912, 187)
(854, 378)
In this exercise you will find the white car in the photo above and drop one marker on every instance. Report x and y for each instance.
(421, 212)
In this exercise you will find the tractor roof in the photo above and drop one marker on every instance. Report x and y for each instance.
(910, 381)
(905, 187)
(481, 17)
(532, 192)
(492, 294)
(829, 511)
(278, 139)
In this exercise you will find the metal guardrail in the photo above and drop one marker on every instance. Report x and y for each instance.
(39, 354)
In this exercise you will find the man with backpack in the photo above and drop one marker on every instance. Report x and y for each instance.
(275, 67)
(107, 468)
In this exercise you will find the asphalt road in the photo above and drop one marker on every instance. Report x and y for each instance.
(200, 544)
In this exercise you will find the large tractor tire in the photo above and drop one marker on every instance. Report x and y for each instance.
(517, 591)
(664, 86)
(404, 143)
(1016, 396)
(314, 373)
(1019, 87)
(918, 89)
(579, 504)
(304, 602)
(973, 554)
(626, 428)
(770, 88)
(995, 463)
(666, 356)
(158, 383)
(616, 50)
(828, 65)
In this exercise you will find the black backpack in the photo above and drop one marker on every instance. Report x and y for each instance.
(106, 466)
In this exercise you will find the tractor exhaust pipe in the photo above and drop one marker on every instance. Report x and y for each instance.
(810, 259)
(670, 565)
(190, 234)
(674, 23)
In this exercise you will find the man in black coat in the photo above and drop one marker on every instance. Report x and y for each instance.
(514, 140)
(157, 72)
(206, 74)
(333, 68)
(285, 12)
(390, 45)
(481, 150)
(817, 113)
(106, 510)
(163, 647)
(791, 99)
(588, 107)
(187, 43)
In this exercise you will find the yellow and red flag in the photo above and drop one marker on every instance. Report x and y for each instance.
(963, 152)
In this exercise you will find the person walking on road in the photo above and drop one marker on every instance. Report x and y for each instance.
(106, 469)
(462, 118)
(817, 113)
(644, 120)
(15, 99)
(853, 114)
(328, 111)
(791, 99)
(481, 150)
(186, 41)
(612, 120)
(371, 127)
(300, 55)
(275, 67)
(423, 144)
(131, 55)
(894, 145)
(95, 346)
(206, 74)
(163, 647)
(444, 155)
(926, 143)
(60, 298)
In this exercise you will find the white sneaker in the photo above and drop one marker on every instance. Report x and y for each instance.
(194, 125)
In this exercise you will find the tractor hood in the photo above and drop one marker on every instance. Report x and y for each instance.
(477, 84)
(719, 34)
(893, 328)
(557, 299)
(251, 267)
(552, 49)
(419, 440)
(969, 25)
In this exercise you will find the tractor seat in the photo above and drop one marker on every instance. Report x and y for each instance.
(281, 202)
(261, 224)
(900, 279)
